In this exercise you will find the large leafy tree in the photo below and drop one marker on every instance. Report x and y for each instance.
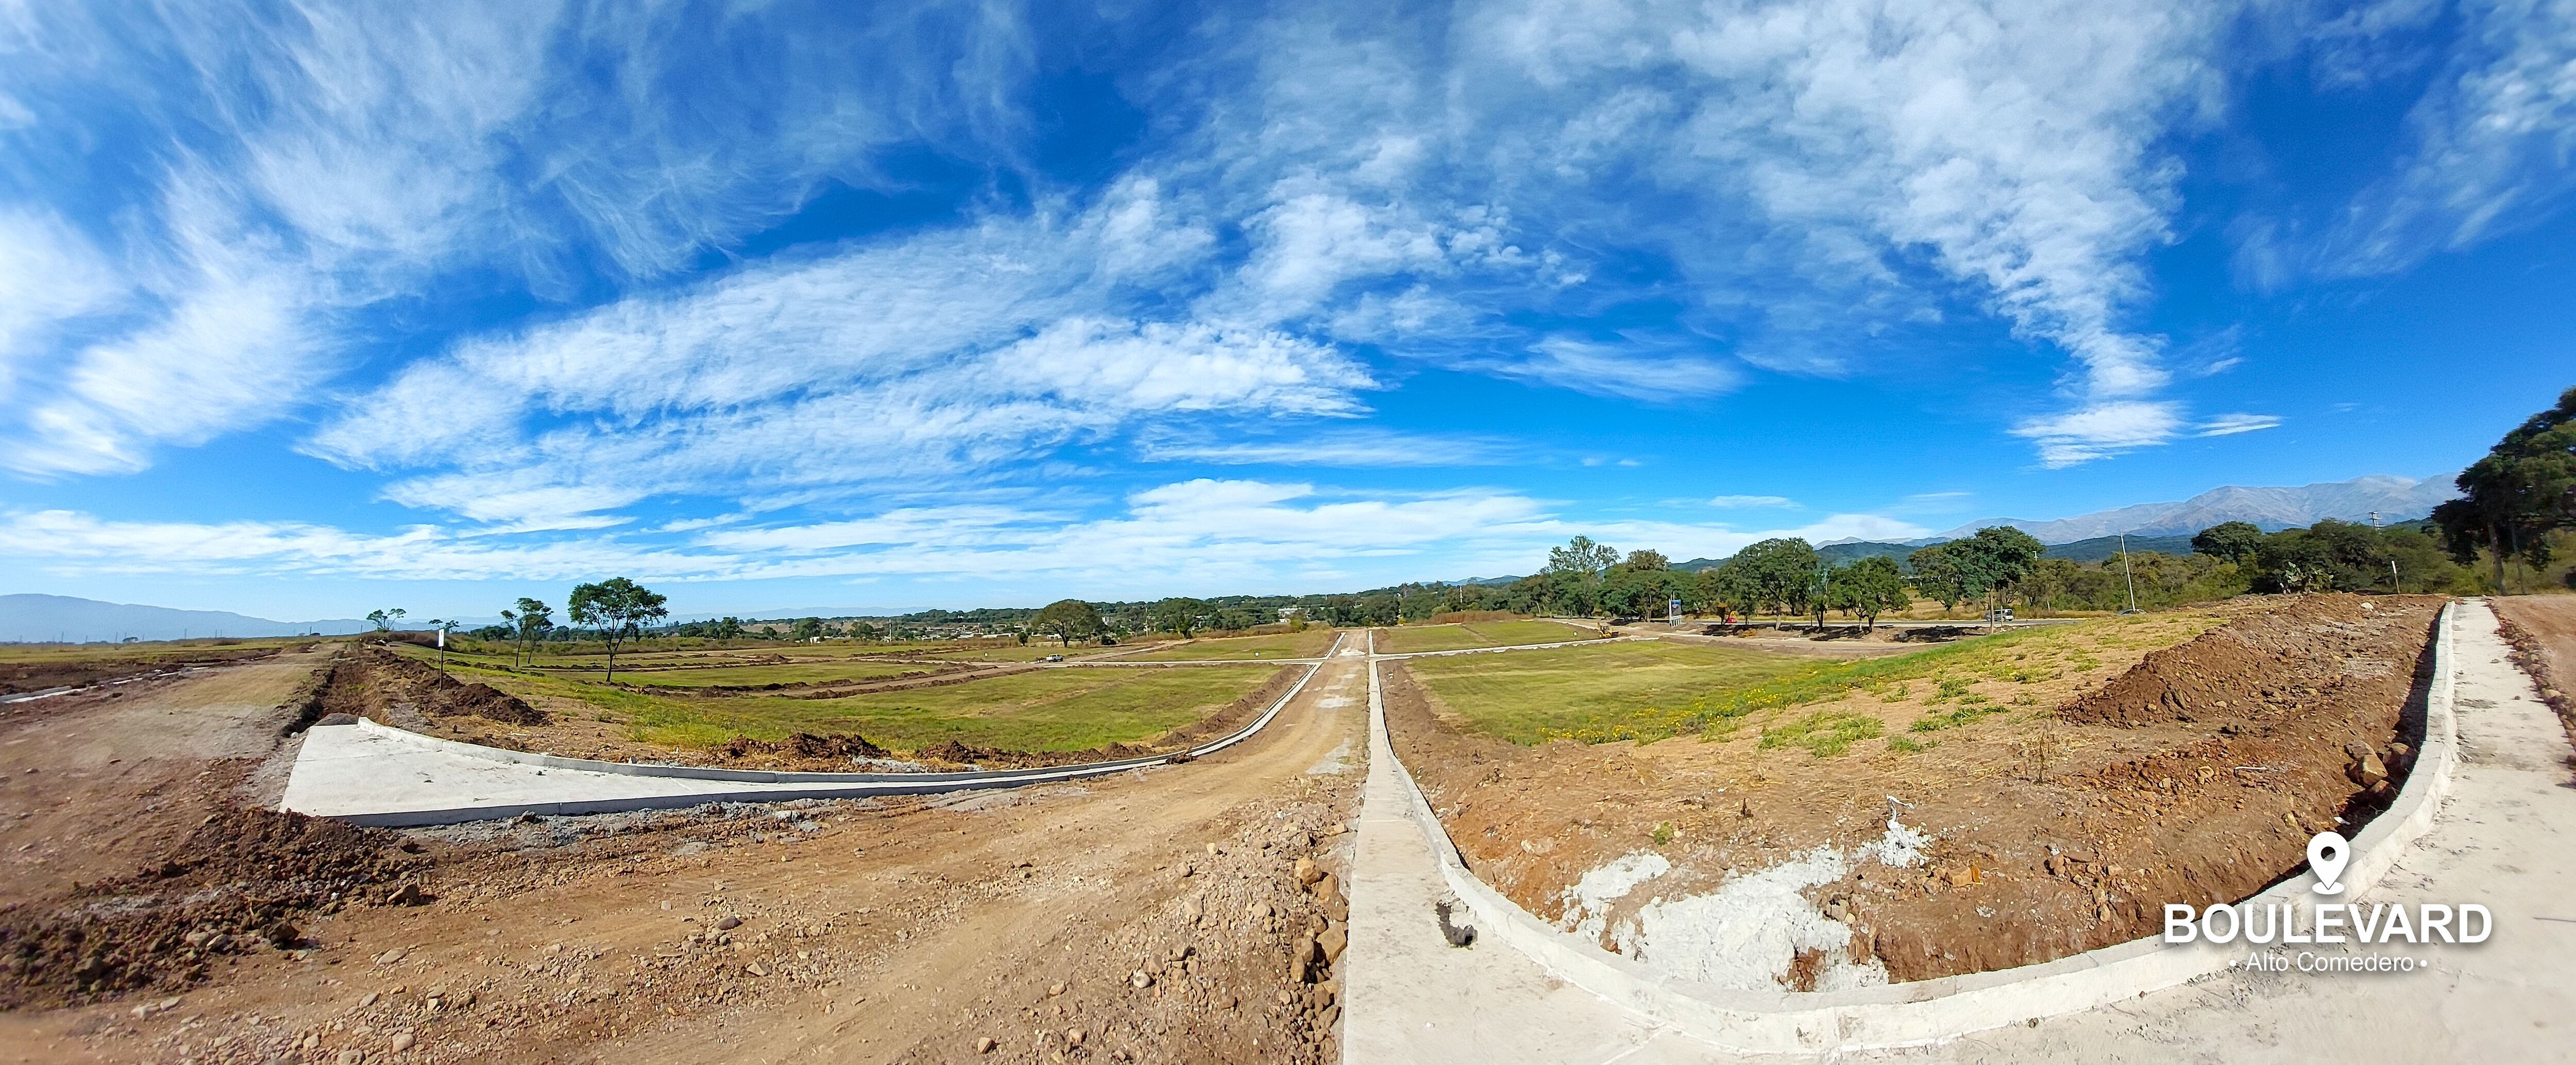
(2513, 497)
(2234, 541)
(1994, 559)
(618, 609)
(387, 618)
(1869, 587)
(1936, 575)
(1180, 616)
(1574, 573)
(1779, 573)
(1068, 620)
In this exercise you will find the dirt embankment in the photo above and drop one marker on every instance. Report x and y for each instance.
(379, 684)
(2196, 775)
(2541, 629)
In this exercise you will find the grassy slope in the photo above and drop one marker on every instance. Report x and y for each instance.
(1413, 638)
(1308, 644)
(1050, 710)
(1651, 690)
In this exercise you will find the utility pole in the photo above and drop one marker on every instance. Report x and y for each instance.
(2125, 575)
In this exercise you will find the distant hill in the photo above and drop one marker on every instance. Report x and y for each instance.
(2102, 547)
(2395, 498)
(28, 618)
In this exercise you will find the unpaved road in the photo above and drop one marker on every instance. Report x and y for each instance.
(902, 931)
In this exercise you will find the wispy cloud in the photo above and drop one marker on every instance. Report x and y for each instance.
(2232, 424)
(1346, 448)
(1751, 502)
(2100, 431)
(2492, 138)
(1204, 533)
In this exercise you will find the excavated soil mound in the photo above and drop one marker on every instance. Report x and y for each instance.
(2195, 775)
(801, 751)
(2313, 645)
(236, 885)
(381, 684)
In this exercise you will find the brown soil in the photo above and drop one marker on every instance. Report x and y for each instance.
(2542, 631)
(239, 882)
(899, 930)
(20, 677)
(395, 690)
(2193, 774)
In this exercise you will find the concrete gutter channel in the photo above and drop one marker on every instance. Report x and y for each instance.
(1922, 1012)
(372, 774)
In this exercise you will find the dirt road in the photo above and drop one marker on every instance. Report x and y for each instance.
(2542, 631)
(1153, 916)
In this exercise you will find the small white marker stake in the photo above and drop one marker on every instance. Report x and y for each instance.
(2328, 853)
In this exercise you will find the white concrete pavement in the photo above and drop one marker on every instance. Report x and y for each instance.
(2502, 840)
(370, 774)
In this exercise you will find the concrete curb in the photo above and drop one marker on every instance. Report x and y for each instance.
(782, 786)
(1929, 1011)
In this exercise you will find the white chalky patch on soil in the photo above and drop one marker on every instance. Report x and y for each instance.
(1336, 762)
(1587, 903)
(1748, 932)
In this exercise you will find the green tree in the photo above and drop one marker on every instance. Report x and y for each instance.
(2513, 497)
(1179, 616)
(1779, 574)
(386, 619)
(1936, 575)
(1643, 559)
(1068, 620)
(804, 630)
(1993, 560)
(530, 621)
(1723, 588)
(2293, 561)
(1869, 587)
(618, 609)
(1581, 555)
(2234, 541)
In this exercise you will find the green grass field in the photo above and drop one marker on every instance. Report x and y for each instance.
(1311, 643)
(753, 676)
(1411, 639)
(1648, 691)
(1035, 650)
(1048, 710)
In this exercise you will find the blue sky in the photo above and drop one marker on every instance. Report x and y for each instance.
(305, 310)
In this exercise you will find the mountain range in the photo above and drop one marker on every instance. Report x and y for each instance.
(2394, 498)
(45, 618)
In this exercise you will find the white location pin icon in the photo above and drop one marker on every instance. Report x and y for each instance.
(2328, 853)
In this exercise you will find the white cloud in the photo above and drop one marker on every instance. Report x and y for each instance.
(50, 276)
(945, 354)
(1205, 533)
(1347, 448)
(2492, 139)
(1629, 371)
(2100, 431)
(1751, 502)
(2232, 424)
